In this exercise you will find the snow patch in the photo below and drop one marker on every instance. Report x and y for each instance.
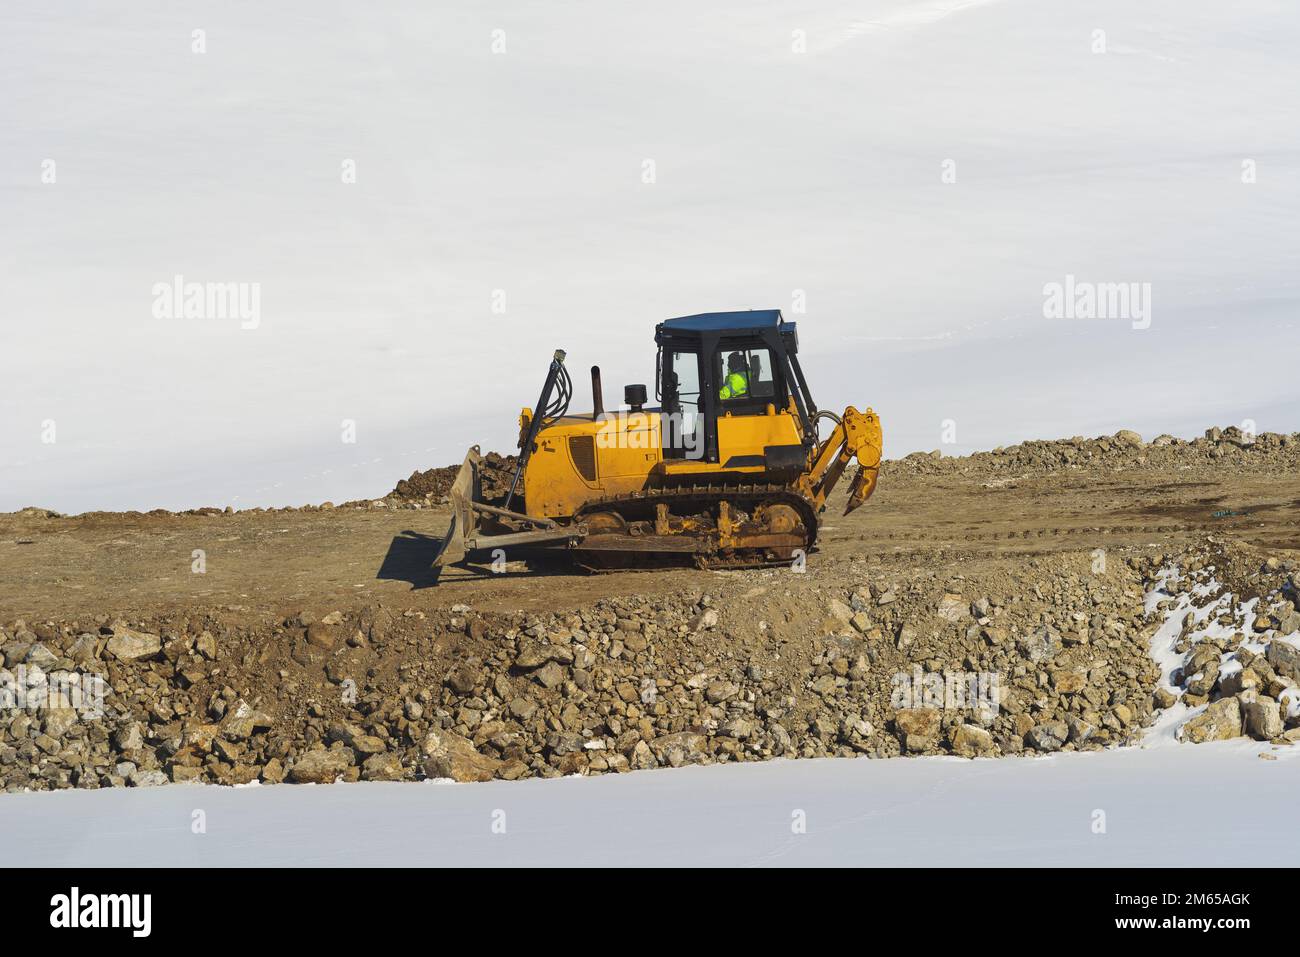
(1206, 626)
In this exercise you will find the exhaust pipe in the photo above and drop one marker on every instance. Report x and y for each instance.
(597, 395)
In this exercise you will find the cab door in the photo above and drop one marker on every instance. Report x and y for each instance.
(751, 404)
(682, 426)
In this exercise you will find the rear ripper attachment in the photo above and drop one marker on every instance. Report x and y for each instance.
(727, 472)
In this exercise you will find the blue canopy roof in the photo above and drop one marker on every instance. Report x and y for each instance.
(725, 321)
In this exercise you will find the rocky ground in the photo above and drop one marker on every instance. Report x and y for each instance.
(1233, 628)
(1106, 586)
(1215, 450)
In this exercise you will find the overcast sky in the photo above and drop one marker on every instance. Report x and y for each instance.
(427, 200)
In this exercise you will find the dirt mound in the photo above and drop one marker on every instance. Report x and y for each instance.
(1217, 449)
(883, 657)
(434, 485)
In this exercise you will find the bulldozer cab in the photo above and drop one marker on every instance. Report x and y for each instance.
(718, 366)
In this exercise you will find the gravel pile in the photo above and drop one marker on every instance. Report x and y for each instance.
(432, 486)
(879, 658)
(1217, 449)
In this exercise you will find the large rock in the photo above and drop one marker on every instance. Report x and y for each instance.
(706, 620)
(1284, 657)
(840, 612)
(534, 656)
(320, 767)
(522, 708)
(550, 675)
(367, 744)
(149, 779)
(720, 690)
(127, 644)
(970, 740)
(15, 653)
(42, 657)
(464, 677)
(1081, 731)
(640, 757)
(738, 728)
(450, 755)
(1041, 644)
(186, 774)
(1219, 721)
(1262, 718)
(1247, 679)
(684, 747)
(320, 634)
(1202, 682)
(953, 607)
(59, 721)
(1069, 682)
(85, 649)
(206, 645)
(128, 737)
(383, 767)
(917, 727)
(241, 719)
(1048, 736)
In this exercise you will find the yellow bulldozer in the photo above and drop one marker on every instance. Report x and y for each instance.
(727, 471)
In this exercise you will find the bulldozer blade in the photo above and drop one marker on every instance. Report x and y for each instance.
(465, 491)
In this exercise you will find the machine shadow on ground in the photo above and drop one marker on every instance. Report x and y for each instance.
(410, 559)
(411, 554)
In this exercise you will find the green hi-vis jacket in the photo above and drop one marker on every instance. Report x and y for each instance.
(736, 384)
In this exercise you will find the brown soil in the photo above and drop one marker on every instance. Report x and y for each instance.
(284, 561)
(265, 615)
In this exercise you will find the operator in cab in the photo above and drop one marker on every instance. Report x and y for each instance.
(736, 384)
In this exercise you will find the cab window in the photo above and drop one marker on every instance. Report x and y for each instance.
(681, 397)
(746, 376)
